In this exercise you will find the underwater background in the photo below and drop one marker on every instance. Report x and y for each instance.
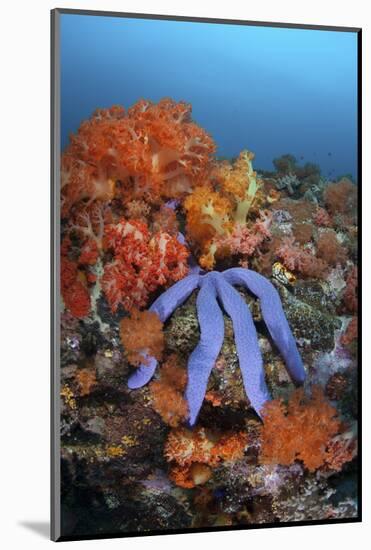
(208, 276)
(281, 90)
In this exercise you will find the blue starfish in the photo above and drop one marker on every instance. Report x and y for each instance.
(216, 286)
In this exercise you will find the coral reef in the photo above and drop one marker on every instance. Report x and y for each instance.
(197, 293)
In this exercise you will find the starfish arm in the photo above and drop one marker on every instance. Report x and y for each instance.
(273, 315)
(142, 374)
(174, 296)
(164, 307)
(249, 355)
(204, 355)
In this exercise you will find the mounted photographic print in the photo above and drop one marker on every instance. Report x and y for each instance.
(205, 368)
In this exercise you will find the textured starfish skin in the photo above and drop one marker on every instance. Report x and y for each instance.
(217, 288)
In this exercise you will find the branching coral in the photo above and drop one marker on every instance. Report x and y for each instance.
(289, 182)
(245, 240)
(303, 232)
(151, 150)
(203, 357)
(300, 430)
(142, 335)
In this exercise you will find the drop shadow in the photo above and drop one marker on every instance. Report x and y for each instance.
(42, 528)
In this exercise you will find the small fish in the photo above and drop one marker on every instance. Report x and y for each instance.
(282, 274)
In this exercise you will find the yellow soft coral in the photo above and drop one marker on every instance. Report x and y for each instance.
(241, 182)
(216, 208)
(207, 212)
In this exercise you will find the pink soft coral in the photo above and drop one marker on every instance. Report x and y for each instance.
(296, 258)
(245, 239)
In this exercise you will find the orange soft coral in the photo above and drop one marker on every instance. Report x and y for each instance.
(167, 393)
(142, 335)
(188, 477)
(88, 225)
(193, 454)
(151, 151)
(185, 447)
(300, 430)
(207, 214)
(241, 183)
(86, 380)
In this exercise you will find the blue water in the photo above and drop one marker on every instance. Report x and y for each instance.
(270, 90)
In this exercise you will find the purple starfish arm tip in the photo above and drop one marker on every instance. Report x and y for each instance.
(164, 307)
(273, 315)
(206, 352)
(143, 374)
(247, 345)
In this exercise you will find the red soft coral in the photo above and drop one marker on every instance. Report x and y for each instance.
(142, 262)
(73, 286)
(151, 151)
